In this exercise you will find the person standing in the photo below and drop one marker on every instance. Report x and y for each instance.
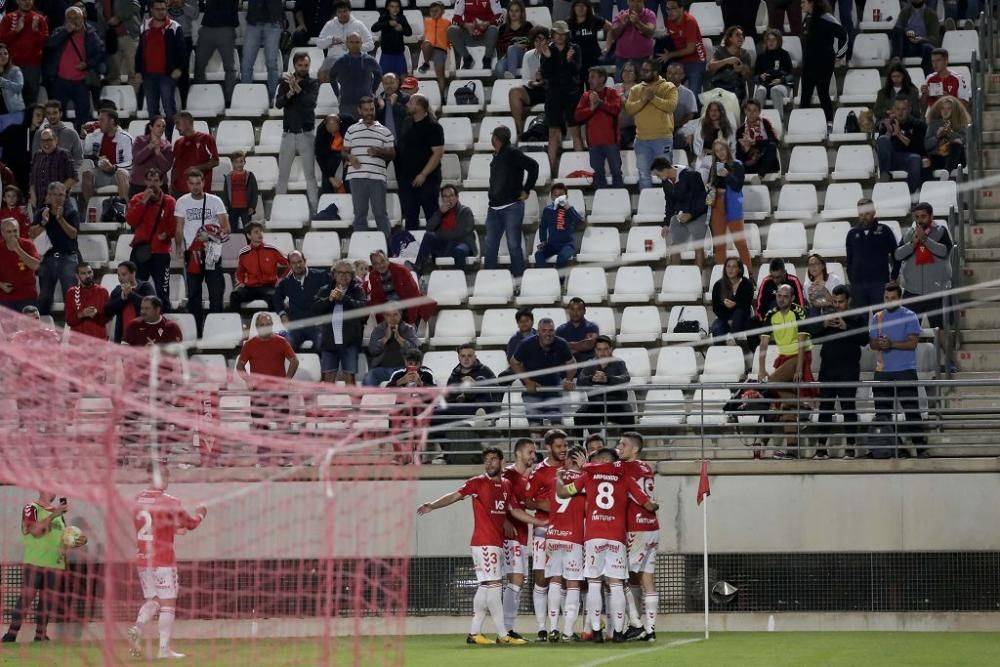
(59, 220)
(296, 96)
(85, 304)
(687, 46)
(19, 262)
(726, 179)
(821, 31)
(393, 28)
(219, 21)
(512, 178)
(871, 261)
(193, 150)
(25, 32)
(418, 165)
(685, 213)
(202, 228)
(73, 50)
(160, 59)
(266, 354)
(151, 215)
(125, 301)
(151, 150)
(598, 109)
(916, 34)
(368, 148)
(185, 12)
(294, 296)
(561, 73)
(450, 232)
(67, 136)
(652, 103)
(343, 331)
(124, 19)
(353, 76)
(50, 164)
(925, 265)
(632, 33)
(265, 19)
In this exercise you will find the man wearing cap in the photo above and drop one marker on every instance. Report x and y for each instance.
(871, 247)
(561, 71)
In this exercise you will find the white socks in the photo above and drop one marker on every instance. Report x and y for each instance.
(650, 603)
(478, 611)
(632, 607)
(166, 627)
(594, 605)
(540, 596)
(146, 613)
(571, 610)
(617, 614)
(555, 598)
(494, 602)
(511, 604)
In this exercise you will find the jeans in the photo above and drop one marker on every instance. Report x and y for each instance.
(216, 283)
(365, 191)
(298, 337)
(647, 150)
(159, 88)
(223, 40)
(244, 295)
(268, 35)
(302, 144)
(563, 254)
(511, 62)
(889, 159)
(611, 154)
(904, 48)
(377, 376)
(695, 75)
(461, 39)
(507, 221)
(157, 270)
(343, 357)
(867, 294)
(887, 393)
(609, 8)
(737, 323)
(56, 267)
(434, 245)
(75, 93)
(541, 406)
(412, 200)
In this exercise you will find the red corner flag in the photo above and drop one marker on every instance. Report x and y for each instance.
(703, 488)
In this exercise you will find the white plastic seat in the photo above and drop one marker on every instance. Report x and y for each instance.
(189, 329)
(891, 200)
(854, 163)
(544, 170)
(961, 45)
(327, 102)
(806, 126)
(838, 135)
(633, 284)
(807, 163)
(793, 44)
(451, 170)
(709, 17)
(796, 202)
(479, 202)
(652, 204)
(830, 238)
(478, 176)
(457, 134)
(222, 331)
(265, 169)
(677, 313)
(600, 245)
(872, 50)
(777, 123)
(635, 246)
(786, 239)
(539, 16)
(205, 100)
(93, 249)
(723, 363)
(416, 20)
(250, 100)
(124, 98)
(706, 406)
(604, 318)
(493, 287)
(676, 364)
(234, 135)
(861, 86)
(447, 287)
(640, 324)
(441, 363)
(539, 287)
(323, 248)
(430, 90)
(574, 161)
(270, 137)
(499, 97)
(453, 107)
(942, 195)
(663, 407)
(680, 284)
(363, 244)
(763, 271)
(497, 326)
(289, 212)
(453, 327)
(486, 127)
(841, 200)
(637, 362)
(756, 202)
(310, 369)
(611, 206)
(588, 283)
(889, 10)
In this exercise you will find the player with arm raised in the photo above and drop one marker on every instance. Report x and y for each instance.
(564, 552)
(491, 504)
(609, 489)
(643, 542)
(515, 544)
(158, 518)
(540, 485)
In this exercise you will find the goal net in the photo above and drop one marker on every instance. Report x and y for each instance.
(302, 557)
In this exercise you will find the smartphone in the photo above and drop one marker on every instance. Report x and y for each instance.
(62, 501)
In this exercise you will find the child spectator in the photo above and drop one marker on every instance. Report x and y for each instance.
(393, 27)
(557, 231)
(240, 193)
(436, 43)
(13, 207)
(361, 270)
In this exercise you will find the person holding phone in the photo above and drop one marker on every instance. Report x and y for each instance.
(413, 373)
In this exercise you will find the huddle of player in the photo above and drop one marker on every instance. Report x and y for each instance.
(594, 523)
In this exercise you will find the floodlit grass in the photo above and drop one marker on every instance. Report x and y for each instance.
(834, 649)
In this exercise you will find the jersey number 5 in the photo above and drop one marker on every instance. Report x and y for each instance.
(145, 533)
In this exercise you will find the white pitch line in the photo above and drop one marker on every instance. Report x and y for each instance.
(632, 654)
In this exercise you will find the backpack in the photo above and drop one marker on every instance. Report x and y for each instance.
(466, 95)
(113, 210)
(881, 439)
(537, 131)
(851, 124)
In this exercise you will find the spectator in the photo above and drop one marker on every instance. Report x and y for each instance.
(947, 132)
(579, 332)
(361, 270)
(413, 373)
(13, 207)
(546, 362)
(561, 73)
(626, 121)
(266, 354)
(475, 23)
(67, 136)
(821, 31)
(152, 215)
(742, 14)
(774, 74)
(334, 36)
(598, 108)
(525, 329)
(604, 405)
(819, 290)
(151, 327)
(49, 165)
(916, 33)
(310, 19)
(73, 50)
(894, 334)
(716, 125)
(11, 86)
(462, 404)
(925, 269)
(219, 21)
(594, 444)
(842, 337)
(687, 105)
(436, 43)
(202, 228)
(652, 103)
(757, 142)
(532, 92)
(265, 21)
(26, 32)
(193, 150)
(329, 149)
(584, 28)
(730, 64)
(732, 300)
(557, 230)
(900, 145)
(297, 94)
(944, 82)
(897, 84)
(685, 214)
(85, 304)
(389, 341)
(125, 301)
(368, 148)
(152, 150)
(512, 179)
(390, 105)
(390, 283)
(768, 287)
(260, 267)
(342, 333)
(16, 141)
(162, 56)
(185, 12)
(726, 179)
(513, 41)
(450, 232)
(780, 11)
(632, 33)
(240, 193)
(687, 46)
(294, 295)
(418, 166)
(110, 147)
(871, 262)
(19, 263)
(60, 221)
(393, 27)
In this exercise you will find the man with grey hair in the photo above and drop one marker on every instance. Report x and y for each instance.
(352, 76)
(18, 263)
(418, 167)
(343, 328)
(548, 364)
(59, 220)
(50, 164)
(391, 105)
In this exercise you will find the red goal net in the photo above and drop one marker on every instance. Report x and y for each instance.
(308, 489)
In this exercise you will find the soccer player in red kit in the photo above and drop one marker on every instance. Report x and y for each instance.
(492, 503)
(158, 518)
(515, 549)
(609, 488)
(540, 484)
(564, 552)
(643, 542)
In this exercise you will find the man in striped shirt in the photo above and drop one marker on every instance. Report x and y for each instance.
(368, 148)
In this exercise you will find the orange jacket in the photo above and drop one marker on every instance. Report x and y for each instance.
(258, 266)
(436, 32)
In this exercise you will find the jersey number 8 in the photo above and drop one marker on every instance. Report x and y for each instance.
(605, 495)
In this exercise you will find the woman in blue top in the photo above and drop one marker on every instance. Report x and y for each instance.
(725, 196)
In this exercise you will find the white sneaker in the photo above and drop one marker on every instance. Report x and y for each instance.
(134, 648)
(167, 654)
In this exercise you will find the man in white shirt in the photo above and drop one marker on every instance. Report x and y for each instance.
(110, 147)
(368, 147)
(202, 228)
(334, 34)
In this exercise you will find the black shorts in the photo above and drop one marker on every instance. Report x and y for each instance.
(560, 109)
(536, 95)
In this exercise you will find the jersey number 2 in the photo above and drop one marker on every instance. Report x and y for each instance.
(145, 533)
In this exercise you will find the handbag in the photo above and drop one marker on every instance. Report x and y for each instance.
(142, 251)
(466, 95)
(686, 326)
(851, 124)
(537, 131)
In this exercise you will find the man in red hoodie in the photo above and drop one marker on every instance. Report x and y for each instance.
(150, 214)
(25, 33)
(598, 108)
(260, 267)
(474, 23)
(19, 262)
(85, 303)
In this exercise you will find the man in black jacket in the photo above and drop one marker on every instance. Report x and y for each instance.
(900, 144)
(685, 219)
(871, 263)
(450, 232)
(463, 404)
(343, 332)
(296, 96)
(390, 105)
(512, 178)
(604, 405)
(842, 337)
(125, 301)
(294, 295)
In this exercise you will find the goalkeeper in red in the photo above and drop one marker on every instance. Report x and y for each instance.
(158, 518)
(609, 487)
(492, 502)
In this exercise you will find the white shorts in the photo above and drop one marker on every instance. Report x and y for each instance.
(642, 548)
(488, 562)
(605, 558)
(564, 559)
(158, 582)
(538, 549)
(515, 556)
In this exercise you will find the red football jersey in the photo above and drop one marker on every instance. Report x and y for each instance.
(518, 485)
(157, 518)
(540, 484)
(609, 488)
(566, 523)
(490, 504)
(639, 518)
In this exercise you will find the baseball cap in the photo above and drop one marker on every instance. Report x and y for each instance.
(560, 27)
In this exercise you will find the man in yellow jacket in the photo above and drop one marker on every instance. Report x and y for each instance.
(652, 103)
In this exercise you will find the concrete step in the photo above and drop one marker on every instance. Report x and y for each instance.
(991, 120)
(978, 357)
(983, 235)
(991, 158)
(974, 253)
(989, 197)
(986, 215)
(979, 317)
(980, 271)
(980, 336)
(980, 294)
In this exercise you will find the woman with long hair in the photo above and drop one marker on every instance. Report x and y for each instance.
(584, 27)
(725, 196)
(897, 82)
(820, 30)
(947, 127)
(730, 64)
(626, 122)
(11, 85)
(732, 300)
(820, 284)
(715, 126)
(152, 149)
(512, 43)
(774, 74)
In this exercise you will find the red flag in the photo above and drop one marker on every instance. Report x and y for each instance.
(703, 488)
